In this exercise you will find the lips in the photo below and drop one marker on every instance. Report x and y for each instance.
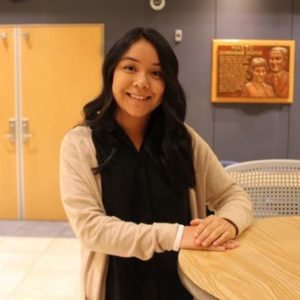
(139, 97)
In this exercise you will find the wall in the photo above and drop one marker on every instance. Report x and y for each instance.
(235, 131)
(247, 132)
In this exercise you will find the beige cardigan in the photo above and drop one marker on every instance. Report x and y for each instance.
(102, 235)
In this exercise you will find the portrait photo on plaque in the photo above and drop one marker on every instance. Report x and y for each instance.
(253, 71)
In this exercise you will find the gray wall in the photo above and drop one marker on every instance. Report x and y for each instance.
(235, 131)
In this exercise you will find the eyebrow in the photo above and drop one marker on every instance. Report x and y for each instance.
(136, 60)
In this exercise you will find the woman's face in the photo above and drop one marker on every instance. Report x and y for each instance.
(259, 74)
(138, 84)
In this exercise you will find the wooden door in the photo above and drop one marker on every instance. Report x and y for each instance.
(8, 163)
(61, 71)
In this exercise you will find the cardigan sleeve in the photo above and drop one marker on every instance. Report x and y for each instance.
(81, 197)
(217, 189)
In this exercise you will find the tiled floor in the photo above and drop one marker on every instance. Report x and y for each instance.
(38, 261)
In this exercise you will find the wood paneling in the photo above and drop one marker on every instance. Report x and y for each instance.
(60, 73)
(8, 179)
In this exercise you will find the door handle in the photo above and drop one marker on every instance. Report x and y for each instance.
(11, 135)
(3, 37)
(26, 37)
(25, 129)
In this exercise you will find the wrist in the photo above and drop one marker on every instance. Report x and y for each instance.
(178, 238)
(233, 224)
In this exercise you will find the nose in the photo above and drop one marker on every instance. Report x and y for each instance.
(141, 81)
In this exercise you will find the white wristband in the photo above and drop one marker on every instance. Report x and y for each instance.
(178, 237)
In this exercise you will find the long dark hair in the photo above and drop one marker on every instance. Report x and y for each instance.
(176, 146)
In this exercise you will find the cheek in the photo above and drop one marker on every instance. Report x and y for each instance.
(117, 85)
(114, 84)
(113, 88)
(160, 88)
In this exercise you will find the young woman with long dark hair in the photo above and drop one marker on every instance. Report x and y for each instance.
(135, 179)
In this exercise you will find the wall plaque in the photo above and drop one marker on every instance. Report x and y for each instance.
(253, 71)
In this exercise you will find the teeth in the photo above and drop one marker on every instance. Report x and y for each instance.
(137, 97)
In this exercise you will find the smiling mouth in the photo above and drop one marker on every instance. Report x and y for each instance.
(138, 97)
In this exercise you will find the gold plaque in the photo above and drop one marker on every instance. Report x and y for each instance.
(253, 71)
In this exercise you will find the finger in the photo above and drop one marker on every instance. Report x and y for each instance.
(199, 229)
(202, 226)
(214, 235)
(207, 220)
(215, 248)
(231, 244)
(223, 238)
(210, 233)
(195, 222)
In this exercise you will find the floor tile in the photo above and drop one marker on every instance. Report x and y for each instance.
(10, 280)
(51, 262)
(10, 261)
(25, 245)
(26, 297)
(58, 284)
(35, 265)
(63, 246)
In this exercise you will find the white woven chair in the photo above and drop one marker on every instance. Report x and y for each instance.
(273, 184)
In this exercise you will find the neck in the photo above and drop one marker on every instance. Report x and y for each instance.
(278, 72)
(258, 83)
(134, 128)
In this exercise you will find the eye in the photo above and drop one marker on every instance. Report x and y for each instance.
(157, 74)
(129, 68)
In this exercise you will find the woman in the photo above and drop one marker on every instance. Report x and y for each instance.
(257, 88)
(134, 171)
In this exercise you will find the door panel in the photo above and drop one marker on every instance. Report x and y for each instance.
(8, 179)
(61, 71)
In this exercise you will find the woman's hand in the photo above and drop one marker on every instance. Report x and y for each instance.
(213, 231)
(189, 241)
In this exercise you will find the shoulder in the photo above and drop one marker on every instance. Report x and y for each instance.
(269, 76)
(245, 90)
(284, 75)
(247, 87)
(192, 132)
(78, 134)
(197, 140)
(78, 140)
(267, 86)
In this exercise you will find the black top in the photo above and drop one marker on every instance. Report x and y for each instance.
(135, 187)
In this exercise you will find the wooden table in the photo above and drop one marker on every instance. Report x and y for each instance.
(266, 265)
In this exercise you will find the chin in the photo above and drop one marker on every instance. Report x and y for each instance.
(139, 115)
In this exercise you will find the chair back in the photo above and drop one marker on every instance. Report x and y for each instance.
(273, 185)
